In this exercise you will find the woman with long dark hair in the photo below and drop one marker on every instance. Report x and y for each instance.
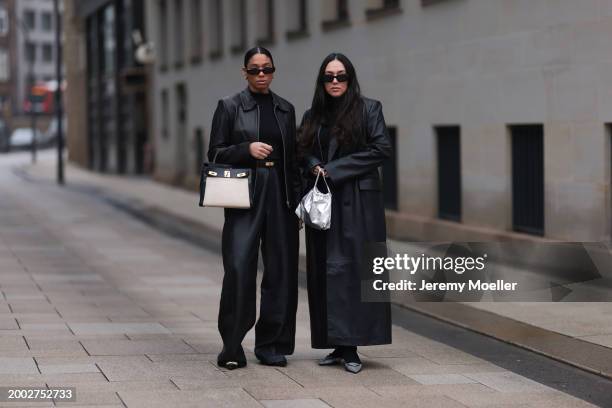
(343, 135)
(255, 128)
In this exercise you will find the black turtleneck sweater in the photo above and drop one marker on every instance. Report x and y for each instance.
(269, 131)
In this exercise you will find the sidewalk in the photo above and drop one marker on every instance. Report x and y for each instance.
(89, 300)
(588, 323)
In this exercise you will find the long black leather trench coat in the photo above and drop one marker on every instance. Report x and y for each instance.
(337, 314)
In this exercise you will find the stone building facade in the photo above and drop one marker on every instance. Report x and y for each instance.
(500, 110)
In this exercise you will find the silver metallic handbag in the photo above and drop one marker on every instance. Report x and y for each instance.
(315, 208)
(224, 186)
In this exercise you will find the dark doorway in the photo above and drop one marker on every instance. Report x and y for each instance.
(199, 146)
(181, 132)
(448, 140)
(528, 178)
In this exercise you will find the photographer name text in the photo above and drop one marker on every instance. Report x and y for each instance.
(477, 285)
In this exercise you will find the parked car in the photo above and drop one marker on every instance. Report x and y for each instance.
(21, 138)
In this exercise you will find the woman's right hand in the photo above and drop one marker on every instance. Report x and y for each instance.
(316, 169)
(260, 150)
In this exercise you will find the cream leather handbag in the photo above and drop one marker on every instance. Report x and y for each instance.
(224, 186)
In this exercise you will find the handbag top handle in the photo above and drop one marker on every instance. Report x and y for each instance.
(325, 181)
(215, 158)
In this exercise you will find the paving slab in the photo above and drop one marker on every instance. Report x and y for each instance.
(131, 347)
(17, 365)
(68, 368)
(215, 398)
(131, 371)
(295, 403)
(115, 328)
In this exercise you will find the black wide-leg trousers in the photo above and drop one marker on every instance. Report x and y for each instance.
(272, 224)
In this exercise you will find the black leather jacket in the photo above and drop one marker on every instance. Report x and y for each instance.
(235, 126)
(351, 162)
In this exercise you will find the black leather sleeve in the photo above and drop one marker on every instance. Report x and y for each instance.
(377, 149)
(220, 140)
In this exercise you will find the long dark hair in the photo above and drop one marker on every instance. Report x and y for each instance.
(346, 110)
(257, 50)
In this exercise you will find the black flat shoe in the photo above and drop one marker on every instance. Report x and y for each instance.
(270, 359)
(231, 365)
(332, 358)
(233, 361)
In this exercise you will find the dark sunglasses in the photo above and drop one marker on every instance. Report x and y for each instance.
(340, 78)
(256, 71)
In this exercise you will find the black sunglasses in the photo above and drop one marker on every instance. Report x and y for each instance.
(256, 71)
(340, 78)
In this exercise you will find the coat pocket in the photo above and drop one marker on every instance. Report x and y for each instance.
(369, 183)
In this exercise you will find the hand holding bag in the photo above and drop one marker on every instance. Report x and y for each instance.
(315, 208)
(224, 186)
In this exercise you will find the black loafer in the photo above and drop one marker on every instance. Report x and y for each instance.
(231, 361)
(271, 359)
(231, 365)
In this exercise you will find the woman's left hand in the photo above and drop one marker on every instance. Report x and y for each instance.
(318, 169)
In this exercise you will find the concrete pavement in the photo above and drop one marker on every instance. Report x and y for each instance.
(576, 333)
(97, 300)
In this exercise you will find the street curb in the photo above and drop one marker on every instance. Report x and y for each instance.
(586, 356)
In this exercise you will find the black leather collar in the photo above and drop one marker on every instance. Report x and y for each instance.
(248, 102)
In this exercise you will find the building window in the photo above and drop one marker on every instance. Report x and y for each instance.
(297, 19)
(238, 24)
(609, 160)
(389, 173)
(265, 26)
(165, 112)
(110, 46)
(163, 34)
(5, 71)
(215, 25)
(382, 8)
(30, 52)
(528, 178)
(336, 14)
(180, 135)
(179, 40)
(4, 22)
(449, 172)
(29, 18)
(196, 31)
(47, 53)
(47, 21)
